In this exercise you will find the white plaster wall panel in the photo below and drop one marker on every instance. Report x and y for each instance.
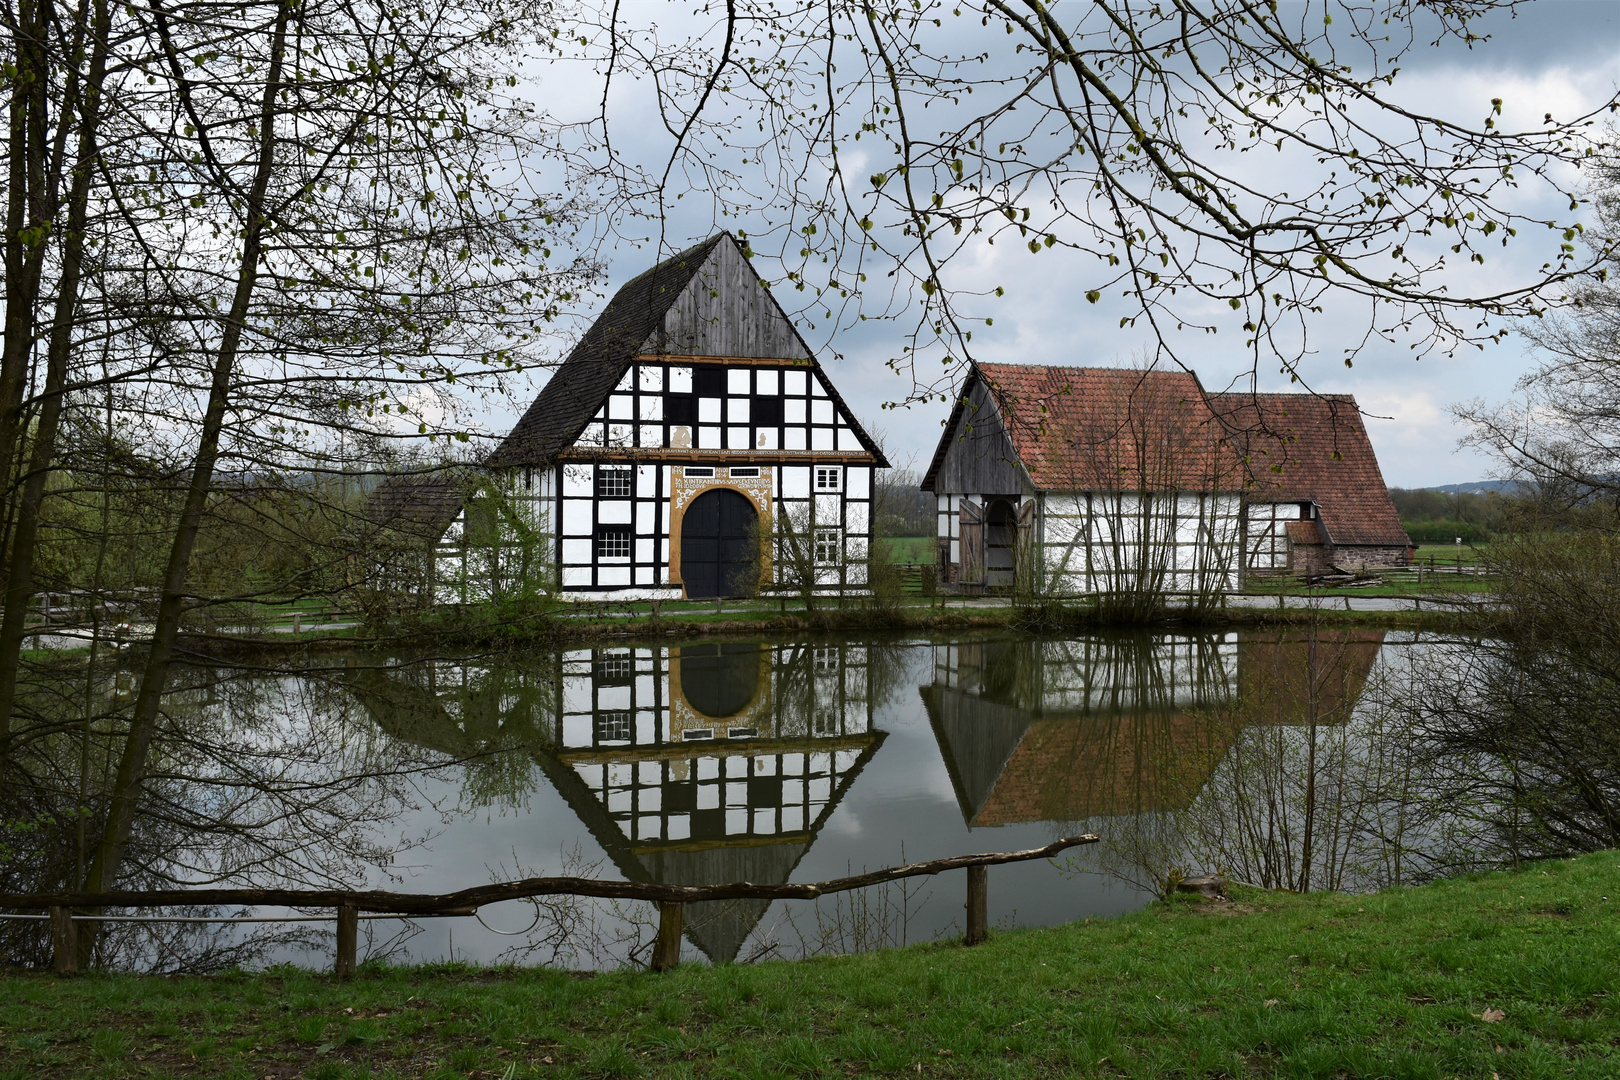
(651, 378)
(577, 517)
(621, 434)
(577, 731)
(821, 410)
(737, 438)
(621, 407)
(794, 382)
(613, 697)
(738, 381)
(650, 435)
(816, 389)
(627, 382)
(793, 438)
(680, 380)
(767, 382)
(855, 517)
(577, 481)
(768, 438)
(614, 512)
(651, 407)
(827, 507)
(848, 441)
(709, 410)
(577, 553)
(821, 439)
(795, 481)
(737, 410)
(644, 550)
(578, 694)
(613, 575)
(646, 518)
(858, 480)
(794, 410)
(709, 438)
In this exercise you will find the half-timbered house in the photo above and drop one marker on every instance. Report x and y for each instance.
(691, 446)
(1102, 480)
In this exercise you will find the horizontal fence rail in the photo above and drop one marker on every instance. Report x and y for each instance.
(466, 902)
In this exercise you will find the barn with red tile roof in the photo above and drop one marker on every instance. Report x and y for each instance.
(1109, 480)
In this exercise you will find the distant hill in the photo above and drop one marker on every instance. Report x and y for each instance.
(1478, 487)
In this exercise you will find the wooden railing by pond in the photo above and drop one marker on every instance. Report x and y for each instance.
(670, 899)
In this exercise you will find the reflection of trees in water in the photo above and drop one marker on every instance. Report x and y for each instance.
(1522, 739)
(259, 778)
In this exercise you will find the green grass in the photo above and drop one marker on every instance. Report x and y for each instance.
(1507, 975)
(909, 550)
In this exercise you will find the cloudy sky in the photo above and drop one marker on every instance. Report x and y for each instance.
(1558, 56)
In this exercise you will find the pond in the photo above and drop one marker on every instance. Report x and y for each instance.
(1281, 758)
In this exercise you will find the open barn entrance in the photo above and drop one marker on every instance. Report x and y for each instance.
(1000, 544)
(717, 545)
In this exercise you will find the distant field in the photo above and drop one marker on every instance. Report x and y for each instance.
(908, 550)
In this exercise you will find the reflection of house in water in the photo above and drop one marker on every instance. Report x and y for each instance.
(694, 765)
(1109, 726)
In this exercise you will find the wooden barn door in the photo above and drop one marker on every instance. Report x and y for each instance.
(1025, 567)
(972, 543)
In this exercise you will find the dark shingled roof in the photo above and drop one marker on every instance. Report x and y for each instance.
(577, 388)
(420, 505)
(1314, 447)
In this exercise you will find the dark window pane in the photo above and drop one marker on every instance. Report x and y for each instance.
(709, 381)
(767, 411)
(680, 409)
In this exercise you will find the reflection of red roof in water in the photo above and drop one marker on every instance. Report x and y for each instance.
(1070, 769)
(1073, 768)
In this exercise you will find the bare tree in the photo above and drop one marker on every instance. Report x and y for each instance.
(894, 139)
(1563, 438)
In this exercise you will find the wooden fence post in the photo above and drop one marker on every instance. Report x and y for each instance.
(348, 940)
(64, 942)
(667, 946)
(978, 894)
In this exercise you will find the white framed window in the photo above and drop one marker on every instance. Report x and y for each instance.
(739, 472)
(613, 727)
(692, 472)
(613, 544)
(613, 482)
(828, 541)
(825, 659)
(827, 477)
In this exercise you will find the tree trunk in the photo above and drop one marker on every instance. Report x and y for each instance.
(20, 578)
(104, 868)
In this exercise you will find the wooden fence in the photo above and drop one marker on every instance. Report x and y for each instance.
(671, 900)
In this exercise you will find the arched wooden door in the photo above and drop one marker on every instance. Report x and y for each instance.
(717, 545)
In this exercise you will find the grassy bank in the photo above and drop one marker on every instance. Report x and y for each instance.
(1507, 975)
